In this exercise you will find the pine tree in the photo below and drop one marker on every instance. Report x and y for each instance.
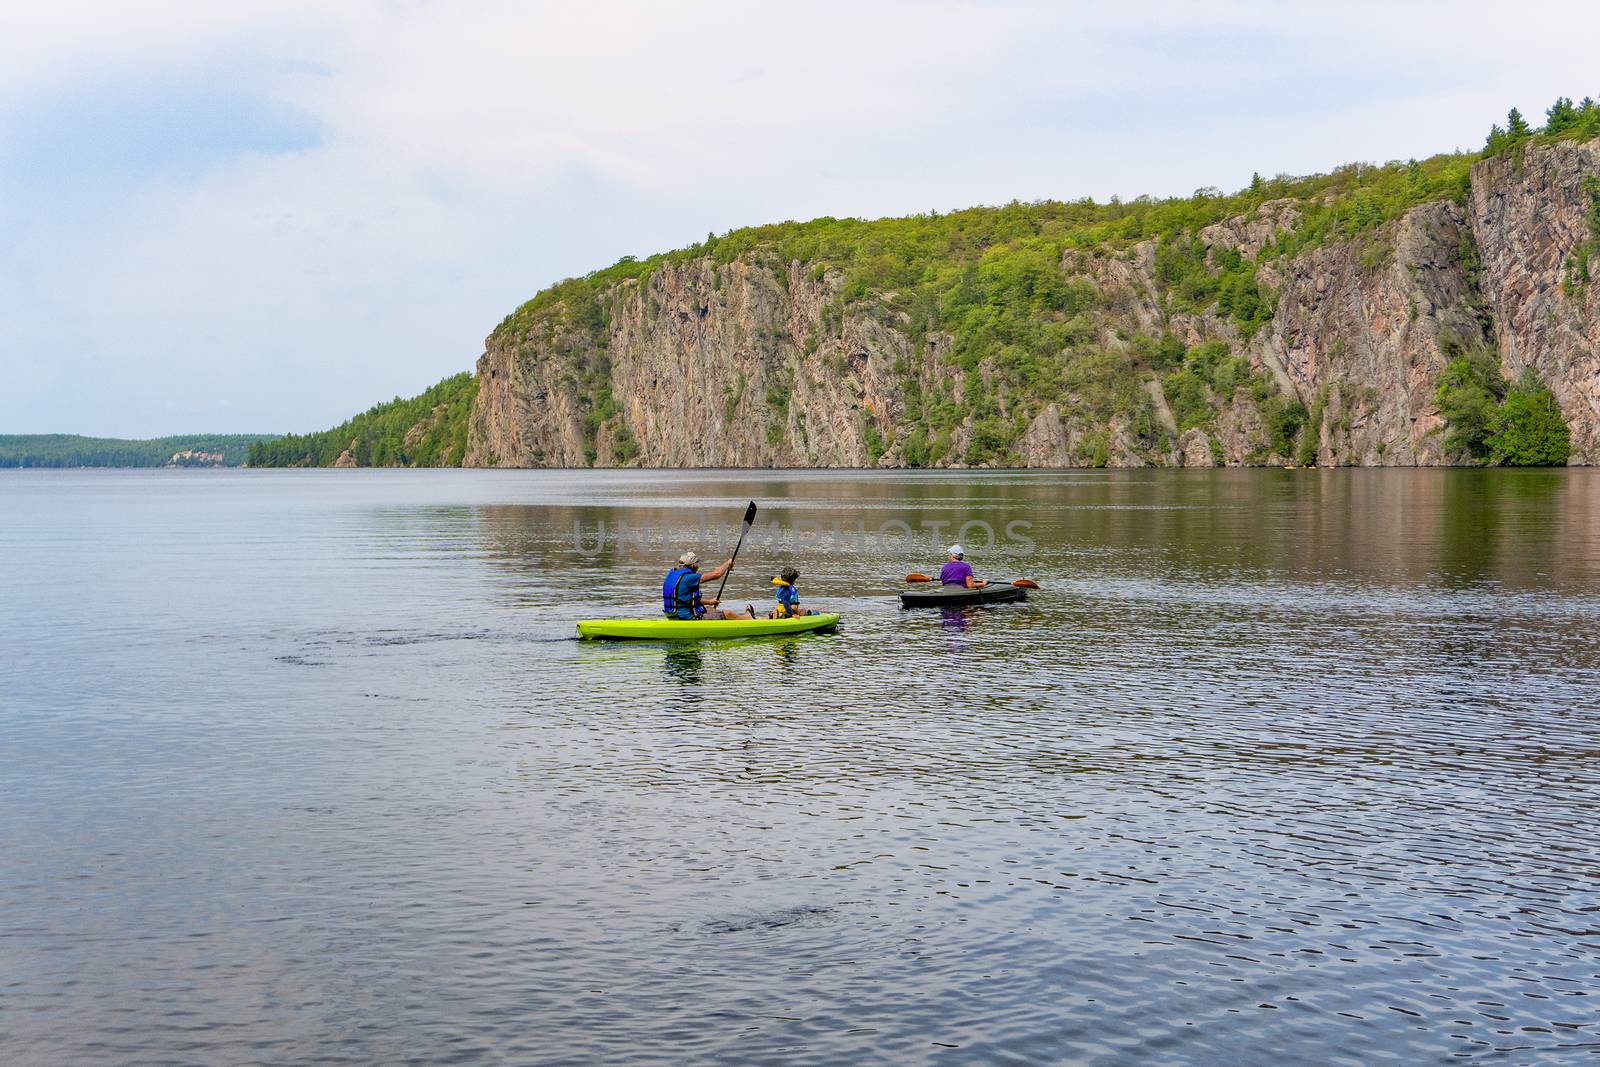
(1516, 125)
(1588, 119)
(1561, 116)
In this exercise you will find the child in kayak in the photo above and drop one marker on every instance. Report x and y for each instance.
(788, 596)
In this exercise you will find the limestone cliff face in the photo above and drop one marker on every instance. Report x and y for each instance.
(756, 362)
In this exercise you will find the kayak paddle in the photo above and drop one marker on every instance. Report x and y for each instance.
(1024, 583)
(749, 519)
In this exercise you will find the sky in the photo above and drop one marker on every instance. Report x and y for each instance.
(267, 215)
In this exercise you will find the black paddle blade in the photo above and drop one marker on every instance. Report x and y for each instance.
(750, 514)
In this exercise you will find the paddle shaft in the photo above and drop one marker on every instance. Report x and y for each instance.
(749, 518)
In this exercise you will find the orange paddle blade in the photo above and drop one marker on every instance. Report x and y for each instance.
(1026, 583)
(913, 577)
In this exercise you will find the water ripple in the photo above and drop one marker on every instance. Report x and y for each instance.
(1275, 768)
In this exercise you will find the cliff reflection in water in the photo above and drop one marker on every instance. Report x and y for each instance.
(1133, 544)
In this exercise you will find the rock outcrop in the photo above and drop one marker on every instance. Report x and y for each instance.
(1529, 212)
(755, 362)
(1368, 341)
(197, 457)
(708, 365)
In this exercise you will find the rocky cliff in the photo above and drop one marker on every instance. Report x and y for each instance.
(706, 364)
(757, 359)
(1532, 213)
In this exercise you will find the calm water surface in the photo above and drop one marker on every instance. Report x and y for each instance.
(1277, 767)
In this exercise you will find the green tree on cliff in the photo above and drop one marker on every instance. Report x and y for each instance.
(1528, 429)
(1516, 126)
(1561, 116)
(1468, 395)
(1588, 119)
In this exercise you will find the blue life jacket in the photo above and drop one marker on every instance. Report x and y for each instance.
(788, 599)
(680, 594)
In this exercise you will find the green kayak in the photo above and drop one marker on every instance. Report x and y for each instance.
(699, 629)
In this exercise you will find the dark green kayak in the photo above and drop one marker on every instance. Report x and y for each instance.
(954, 596)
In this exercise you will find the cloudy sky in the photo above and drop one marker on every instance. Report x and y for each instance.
(265, 215)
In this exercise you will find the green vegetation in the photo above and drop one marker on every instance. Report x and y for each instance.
(1564, 121)
(1285, 418)
(1309, 439)
(1487, 422)
(1188, 398)
(1208, 370)
(1468, 395)
(1587, 254)
(876, 444)
(916, 448)
(1528, 430)
(429, 430)
(732, 396)
(992, 276)
(1211, 374)
(70, 450)
(1192, 284)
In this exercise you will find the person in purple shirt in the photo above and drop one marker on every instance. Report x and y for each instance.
(958, 572)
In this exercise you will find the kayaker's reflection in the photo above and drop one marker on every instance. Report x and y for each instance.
(957, 618)
(683, 665)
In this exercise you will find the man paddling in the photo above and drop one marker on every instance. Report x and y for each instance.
(958, 572)
(680, 591)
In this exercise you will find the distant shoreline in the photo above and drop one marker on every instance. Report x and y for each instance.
(73, 451)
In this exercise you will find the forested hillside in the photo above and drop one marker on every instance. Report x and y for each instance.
(429, 430)
(70, 450)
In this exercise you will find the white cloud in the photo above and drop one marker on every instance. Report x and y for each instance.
(471, 153)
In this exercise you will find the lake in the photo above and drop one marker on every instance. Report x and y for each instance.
(1277, 766)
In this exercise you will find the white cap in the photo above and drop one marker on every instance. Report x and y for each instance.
(688, 559)
(955, 550)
